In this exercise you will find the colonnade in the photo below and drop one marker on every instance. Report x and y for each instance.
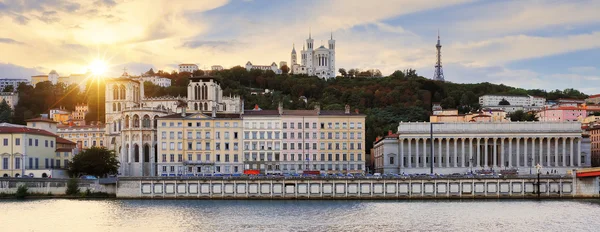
(490, 152)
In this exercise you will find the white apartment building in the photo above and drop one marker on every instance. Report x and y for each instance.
(188, 68)
(157, 80)
(525, 103)
(262, 140)
(14, 82)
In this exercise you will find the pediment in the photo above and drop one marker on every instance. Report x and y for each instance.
(199, 116)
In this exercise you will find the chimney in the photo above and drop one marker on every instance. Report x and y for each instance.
(390, 132)
(280, 108)
(318, 108)
(183, 111)
(256, 107)
(347, 110)
(356, 111)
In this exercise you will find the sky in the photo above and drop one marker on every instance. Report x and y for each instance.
(528, 44)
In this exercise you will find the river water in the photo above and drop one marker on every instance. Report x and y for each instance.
(302, 215)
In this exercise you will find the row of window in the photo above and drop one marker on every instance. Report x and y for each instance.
(199, 124)
(208, 169)
(249, 146)
(299, 125)
(298, 135)
(190, 135)
(34, 163)
(262, 157)
(32, 142)
(84, 135)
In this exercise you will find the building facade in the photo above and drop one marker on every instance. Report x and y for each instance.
(157, 80)
(482, 147)
(187, 68)
(525, 103)
(216, 68)
(4, 82)
(85, 136)
(562, 114)
(54, 78)
(262, 140)
(132, 119)
(198, 144)
(33, 152)
(273, 67)
(315, 62)
(12, 99)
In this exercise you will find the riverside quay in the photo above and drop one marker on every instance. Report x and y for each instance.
(389, 187)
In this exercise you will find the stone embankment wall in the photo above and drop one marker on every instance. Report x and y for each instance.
(350, 188)
(51, 186)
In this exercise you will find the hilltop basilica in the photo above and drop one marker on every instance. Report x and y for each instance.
(315, 62)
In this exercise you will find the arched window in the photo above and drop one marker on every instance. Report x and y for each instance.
(155, 122)
(224, 107)
(204, 92)
(115, 127)
(126, 121)
(123, 94)
(146, 153)
(146, 121)
(114, 107)
(127, 153)
(119, 107)
(196, 92)
(196, 106)
(136, 153)
(116, 92)
(136, 121)
(205, 107)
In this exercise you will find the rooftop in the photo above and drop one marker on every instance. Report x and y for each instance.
(40, 120)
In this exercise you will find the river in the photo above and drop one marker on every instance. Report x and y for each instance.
(302, 215)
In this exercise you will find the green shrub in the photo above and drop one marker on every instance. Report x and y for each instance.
(72, 187)
(22, 192)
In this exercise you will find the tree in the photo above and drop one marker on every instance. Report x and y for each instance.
(285, 69)
(5, 112)
(150, 72)
(343, 72)
(351, 72)
(198, 72)
(9, 88)
(96, 161)
(504, 102)
(520, 115)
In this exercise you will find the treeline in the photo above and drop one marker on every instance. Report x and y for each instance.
(34, 101)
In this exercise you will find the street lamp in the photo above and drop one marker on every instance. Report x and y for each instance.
(431, 147)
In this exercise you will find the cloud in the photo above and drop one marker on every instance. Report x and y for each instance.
(105, 3)
(9, 41)
(209, 44)
(17, 72)
(583, 69)
(49, 17)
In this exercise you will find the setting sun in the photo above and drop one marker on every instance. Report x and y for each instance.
(98, 67)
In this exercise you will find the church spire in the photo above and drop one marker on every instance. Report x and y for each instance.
(331, 34)
(309, 33)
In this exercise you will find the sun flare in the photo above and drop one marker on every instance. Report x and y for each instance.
(98, 67)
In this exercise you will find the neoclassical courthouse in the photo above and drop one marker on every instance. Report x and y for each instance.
(465, 147)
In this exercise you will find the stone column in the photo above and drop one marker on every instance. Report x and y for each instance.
(455, 154)
(495, 155)
(439, 163)
(564, 152)
(518, 157)
(510, 163)
(555, 152)
(526, 153)
(578, 152)
(462, 153)
(447, 152)
(478, 153)
(485, 148)
(425, 152)
(410, 154)
(548, 152)
(571, 154)
(502, 164)
(532, 152)
(471, 152)
(401, 153)
(540, 161)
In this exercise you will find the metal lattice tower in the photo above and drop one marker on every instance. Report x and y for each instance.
(439, 72)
